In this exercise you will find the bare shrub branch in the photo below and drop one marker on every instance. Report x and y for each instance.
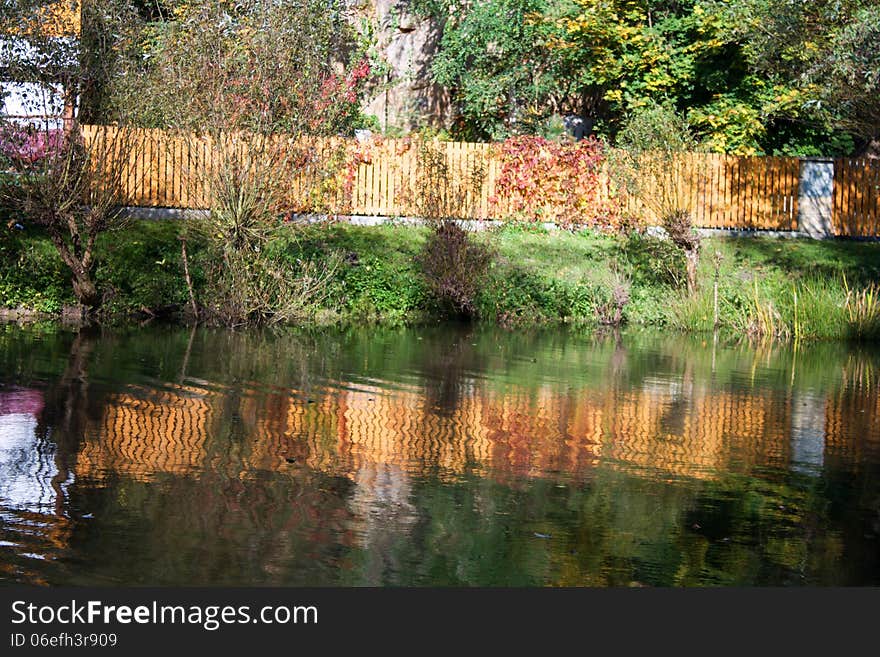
(76, 191)
(652, 164)
(453, 263)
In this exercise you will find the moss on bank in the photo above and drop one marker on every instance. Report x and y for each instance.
(766, 286)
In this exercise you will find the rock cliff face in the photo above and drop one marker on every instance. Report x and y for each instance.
(407, 98)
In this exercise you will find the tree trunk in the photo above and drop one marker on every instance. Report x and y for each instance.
(84, 288)
(85, 291)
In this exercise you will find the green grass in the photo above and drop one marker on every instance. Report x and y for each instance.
(140, 269)
(378, 280)
(788, 288)
(557, 255)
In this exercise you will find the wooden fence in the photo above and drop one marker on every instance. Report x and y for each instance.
(387, 177)
(723, 191)
(856, 200)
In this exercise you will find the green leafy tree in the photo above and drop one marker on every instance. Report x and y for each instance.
(752, 78)
(851, 74)
(493, 55)
(823, 53)
(634, 53)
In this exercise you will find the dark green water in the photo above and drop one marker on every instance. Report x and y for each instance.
(441, 456)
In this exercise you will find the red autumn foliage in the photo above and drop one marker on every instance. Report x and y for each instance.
(542, 180)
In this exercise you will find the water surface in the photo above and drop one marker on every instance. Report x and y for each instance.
(435, 456)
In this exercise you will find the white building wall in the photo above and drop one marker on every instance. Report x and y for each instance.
(32, 102)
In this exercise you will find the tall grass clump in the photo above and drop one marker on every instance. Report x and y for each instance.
(819, 309)
(693, 312)
(244, 183)
(764, 318)
(863, 311)
(813, 308)
(816, 310)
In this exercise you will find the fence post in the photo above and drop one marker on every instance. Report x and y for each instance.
(815, 195)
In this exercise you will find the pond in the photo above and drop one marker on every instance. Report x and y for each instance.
(445, 455)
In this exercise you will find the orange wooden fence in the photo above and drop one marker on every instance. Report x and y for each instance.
(856, 200)
(385, 178)
(723, 191)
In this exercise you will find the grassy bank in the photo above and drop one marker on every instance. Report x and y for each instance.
(784, 288)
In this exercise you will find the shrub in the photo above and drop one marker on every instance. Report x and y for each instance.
(32, 274)
(654, 261)
(651, 165)
(140, 269)
(453, 264)
(257, 286)
(513, 295)
(379, 288)
(75, 191)
(454, 267)
(25, 148)
(610, 311)
(244, 182)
